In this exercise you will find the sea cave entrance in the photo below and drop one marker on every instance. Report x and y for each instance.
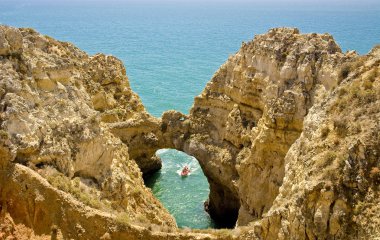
(184, 197)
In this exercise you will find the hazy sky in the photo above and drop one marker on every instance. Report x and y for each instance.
(262, 3)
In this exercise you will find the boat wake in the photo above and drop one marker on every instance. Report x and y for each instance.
(192, 165)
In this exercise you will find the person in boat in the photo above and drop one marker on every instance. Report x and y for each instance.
(185, 171)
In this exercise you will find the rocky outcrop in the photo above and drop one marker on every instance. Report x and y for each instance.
(32, 208)
(286, 131)
(330, 188)
(252, 111)
(59, 110)
(122, 110)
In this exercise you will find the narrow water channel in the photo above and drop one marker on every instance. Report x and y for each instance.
(182, 196)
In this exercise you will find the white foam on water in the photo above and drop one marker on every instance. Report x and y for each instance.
(162, 151)
(193, 166)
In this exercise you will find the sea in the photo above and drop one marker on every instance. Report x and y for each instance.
(171, 50)
(184, 197)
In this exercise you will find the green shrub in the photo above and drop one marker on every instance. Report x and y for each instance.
(136, 191)
(344, 71)
(372, 75)
(65, 184)
(3, 135)
(359, 207)
(141, 218)
(223, 233)
(325, 131)
(342, 92)
(123, 218)
(340, 127)
(367, 84)
(329, 158)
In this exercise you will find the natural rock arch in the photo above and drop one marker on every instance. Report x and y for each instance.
(242, 125)
(286, 131)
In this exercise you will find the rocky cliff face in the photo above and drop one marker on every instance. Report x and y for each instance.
(330, 188)
(286, 131)
(252, 111)
(243, 128)
(59, 109)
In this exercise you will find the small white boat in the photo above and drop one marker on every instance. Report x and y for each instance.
(185, 171)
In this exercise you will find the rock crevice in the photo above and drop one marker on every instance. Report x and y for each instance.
(252, 111)
(286, 132)
(59, 109)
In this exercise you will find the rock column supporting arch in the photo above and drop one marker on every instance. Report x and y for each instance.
(243, 123)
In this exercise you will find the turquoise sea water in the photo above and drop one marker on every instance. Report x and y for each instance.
(182, 196)
(172, 50)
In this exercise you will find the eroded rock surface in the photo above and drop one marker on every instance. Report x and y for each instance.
(252, 111)
(58, 109)
(286, 131)
(244, 127)
(331, 184)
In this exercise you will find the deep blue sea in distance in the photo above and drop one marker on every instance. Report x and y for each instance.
(172, 50)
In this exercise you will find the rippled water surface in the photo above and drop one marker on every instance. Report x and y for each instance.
(172, 50)
(182, 196)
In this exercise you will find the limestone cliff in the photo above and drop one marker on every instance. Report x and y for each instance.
(244, 127)
(331, 185)
(286, 131)
(252, 111)
(56, 109)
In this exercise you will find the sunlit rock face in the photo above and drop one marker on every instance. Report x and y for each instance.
(286, 131)
(287, 134)
(332, 170)
(59, 115)
(251, 112)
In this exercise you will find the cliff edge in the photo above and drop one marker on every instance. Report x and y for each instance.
(60, 149)
(277, 132)
(286, 132)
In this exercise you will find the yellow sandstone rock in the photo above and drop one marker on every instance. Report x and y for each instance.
(57, 157)
(286, 131)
